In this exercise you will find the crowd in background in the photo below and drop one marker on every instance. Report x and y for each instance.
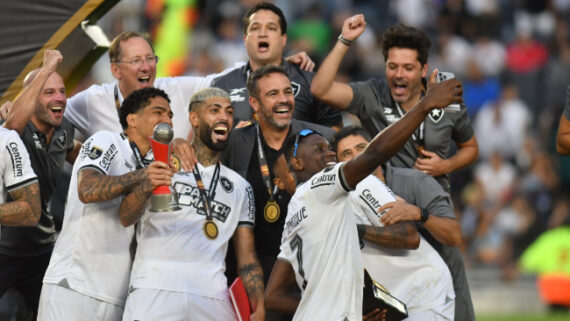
(513, 57)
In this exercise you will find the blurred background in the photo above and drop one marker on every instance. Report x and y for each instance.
(513, 57)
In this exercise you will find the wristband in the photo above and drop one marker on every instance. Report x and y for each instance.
(424, 215)
(345, 41)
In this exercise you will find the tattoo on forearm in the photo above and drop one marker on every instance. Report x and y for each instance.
(133, 206)
(95, 186)
(395, 236)
(252, 277)
(24, 210)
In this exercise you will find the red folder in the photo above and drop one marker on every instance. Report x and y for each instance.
(240, 300)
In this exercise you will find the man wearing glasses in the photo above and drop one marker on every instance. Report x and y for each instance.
(319, 247)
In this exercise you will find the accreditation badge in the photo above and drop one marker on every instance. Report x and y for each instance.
(271, 212)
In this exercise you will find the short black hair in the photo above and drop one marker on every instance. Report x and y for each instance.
(348, 131)
(403, 36)
(138, 100)
(265, 6)
(254, 77)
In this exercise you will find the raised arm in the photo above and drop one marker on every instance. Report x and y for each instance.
(133, 205)
(333, 93)
(402, 235)
(278, 295)
(389, 141)
(24, 106)
(249, 270)
(25, 207)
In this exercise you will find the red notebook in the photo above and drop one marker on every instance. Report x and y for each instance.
(240, 300)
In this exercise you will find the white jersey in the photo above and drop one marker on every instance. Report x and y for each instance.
(15, 168)
(94, 109)
(320, 240)
(174, 254)
(92, 253)
(420, 278)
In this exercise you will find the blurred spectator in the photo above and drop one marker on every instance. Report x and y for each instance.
(478, 89)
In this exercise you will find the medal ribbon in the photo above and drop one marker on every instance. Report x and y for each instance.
(264, 168)
(207, 196)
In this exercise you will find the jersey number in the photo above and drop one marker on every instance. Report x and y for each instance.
(297, 245)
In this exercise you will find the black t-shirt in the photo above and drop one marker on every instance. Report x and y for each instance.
(47, 162)
(267, 234)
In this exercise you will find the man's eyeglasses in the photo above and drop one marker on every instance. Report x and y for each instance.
(137, 62)
(302, 133)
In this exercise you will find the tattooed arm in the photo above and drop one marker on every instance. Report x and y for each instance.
(134, 204)
(94, 186)
(25, 209)
(278, 296)
(402, 235)
(249, 270)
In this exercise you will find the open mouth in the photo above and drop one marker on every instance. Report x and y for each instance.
(144, 79)
(282, 109)
(399, 89)
(56, 109)
(221, 130)
(263, 45)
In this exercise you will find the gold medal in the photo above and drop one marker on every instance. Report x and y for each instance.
(210, 229)
(271, 211)
(175, 162)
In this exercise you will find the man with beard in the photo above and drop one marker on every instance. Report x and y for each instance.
(88, 273)
(265, 36)
(379, 104)
(37, 116)
(253, 149)
(178, 272)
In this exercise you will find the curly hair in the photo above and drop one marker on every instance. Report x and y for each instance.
(137, 100)
(403, 36)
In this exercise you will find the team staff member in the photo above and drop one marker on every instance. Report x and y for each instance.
(88, 274)
(178, 272)
(37, 116)
(319, 247)
(420, 277)
(19, 189)
(381, 103)
(265, 36)
(563, 136)
(252, 151)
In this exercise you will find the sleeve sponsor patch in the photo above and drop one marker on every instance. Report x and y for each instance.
(17, 161)
(94, 152)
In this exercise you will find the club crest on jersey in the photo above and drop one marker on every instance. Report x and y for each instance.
(238, 94)
(62, 139)
(296, 88)
(226, 184)
(95, 152)
(436, 115)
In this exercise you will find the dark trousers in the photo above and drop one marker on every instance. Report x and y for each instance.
(25, 275)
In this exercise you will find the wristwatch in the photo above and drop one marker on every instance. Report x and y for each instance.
(424, 215)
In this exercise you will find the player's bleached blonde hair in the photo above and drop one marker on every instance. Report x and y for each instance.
(202, 95)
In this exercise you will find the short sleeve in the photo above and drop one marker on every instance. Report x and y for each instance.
(462, 131)
(432, 197)
(328, 185)
(99, 152)
(247, 214)
(76, 111)
(370, 194)
(18, 170)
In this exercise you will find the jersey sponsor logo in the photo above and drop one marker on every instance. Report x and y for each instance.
(372, 202)
(105, 163)
(226, 184)
(322, 180)
(189, 195)
(296, 88)
(392, 118)
(295, 219)
(238, 94)
(436, 115)
(17, 162)
(61, 139)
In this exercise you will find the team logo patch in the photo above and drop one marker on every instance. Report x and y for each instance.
(296, 88)
(226, 184)
(238, 94)
(436, 115)
(95, 152)
(61, 140)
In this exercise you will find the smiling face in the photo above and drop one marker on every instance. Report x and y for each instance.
(315, 154)
(212, 122)
(350, 147)
(51, 102)
(264, 40)
(132, 76)
(276, 102)
(404, 74)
